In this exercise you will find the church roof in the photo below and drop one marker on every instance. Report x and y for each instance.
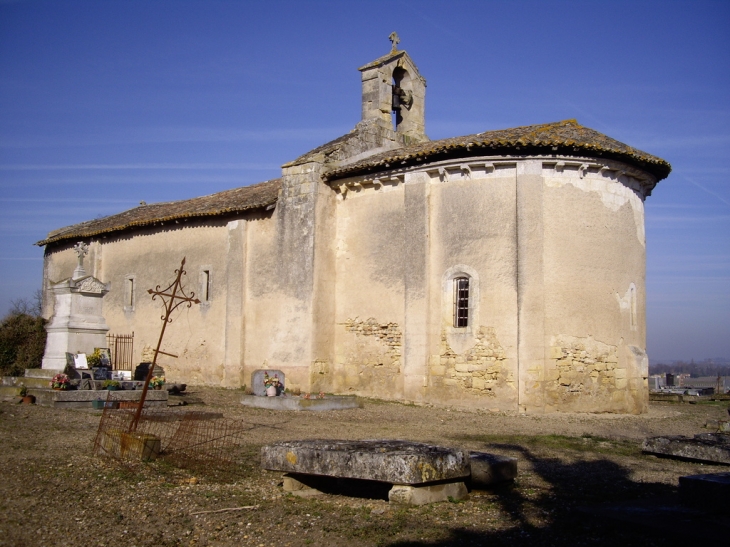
(222, 203)
(567, 137)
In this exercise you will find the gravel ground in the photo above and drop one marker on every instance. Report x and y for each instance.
(54, 492)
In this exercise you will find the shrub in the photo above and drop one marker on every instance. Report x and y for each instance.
(22, 339)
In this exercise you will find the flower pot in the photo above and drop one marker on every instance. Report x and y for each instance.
(29, 400)
(112, 388)
(271, 391)
(158, 388)
(59, 389)
(97, 405)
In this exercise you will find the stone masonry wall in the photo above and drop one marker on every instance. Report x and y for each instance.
(583, 369)
(479, 370)
(373, 359)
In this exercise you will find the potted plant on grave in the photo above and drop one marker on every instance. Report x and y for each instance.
(24, 397)
(111, 385)
(60, 382)
(157, 382)
(271, 383)
(94, 360)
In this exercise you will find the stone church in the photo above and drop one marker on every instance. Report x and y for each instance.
(503, 270)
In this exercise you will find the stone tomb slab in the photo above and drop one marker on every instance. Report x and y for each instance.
(332, 402)
(705, 447)
(420, 473)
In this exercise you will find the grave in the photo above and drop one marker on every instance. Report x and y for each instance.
(285, 401)
(257, 381)
(417, 473)
(705, 447)
(77, 325)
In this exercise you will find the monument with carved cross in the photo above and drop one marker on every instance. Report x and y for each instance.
(77, 325)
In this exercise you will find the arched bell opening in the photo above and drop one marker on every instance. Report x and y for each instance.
(402, 96)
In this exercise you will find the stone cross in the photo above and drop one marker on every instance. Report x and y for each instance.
(81, 249)
(394, 40)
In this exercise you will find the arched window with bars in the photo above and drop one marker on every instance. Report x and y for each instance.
(461, 302)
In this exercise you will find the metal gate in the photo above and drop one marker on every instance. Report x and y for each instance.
(122, 350)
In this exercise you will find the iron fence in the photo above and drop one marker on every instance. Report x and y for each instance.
(122, 350)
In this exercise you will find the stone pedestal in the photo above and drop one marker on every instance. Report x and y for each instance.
(77, 325)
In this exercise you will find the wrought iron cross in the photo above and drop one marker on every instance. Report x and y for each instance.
(173, 296)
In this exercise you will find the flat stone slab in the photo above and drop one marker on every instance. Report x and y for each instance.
(334, 402)
(705, 447)
(84, 398)
(41, 373)
(710, 491)
(395, 462)
(490, 469)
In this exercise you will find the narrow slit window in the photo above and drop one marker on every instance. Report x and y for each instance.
(461, 302)
(130, 292)
(632, 317)
(206, 285)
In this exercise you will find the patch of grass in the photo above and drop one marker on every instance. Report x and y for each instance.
(584, 443)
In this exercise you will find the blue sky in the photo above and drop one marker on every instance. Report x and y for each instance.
(106, 103)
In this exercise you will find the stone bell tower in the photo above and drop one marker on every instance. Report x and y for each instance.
(394, 93)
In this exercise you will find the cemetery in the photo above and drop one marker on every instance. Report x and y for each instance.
(571, 476)
(99, 447)
(134, 459)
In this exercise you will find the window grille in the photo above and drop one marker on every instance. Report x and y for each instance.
(461, 302)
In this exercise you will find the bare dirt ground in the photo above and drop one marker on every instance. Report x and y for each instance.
(53, 492)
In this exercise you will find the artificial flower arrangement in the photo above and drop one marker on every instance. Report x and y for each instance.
(157, 382)
(94, 359)
(271, 380)
(60, 381)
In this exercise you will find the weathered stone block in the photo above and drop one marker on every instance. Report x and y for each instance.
(706, 447)
(397, 462)
(298, 488)
(556, 352)
(477, 383)
(620, 373)
(438, 370)
(552, 374)
(621, 383)
(421, 495)
(490, 469)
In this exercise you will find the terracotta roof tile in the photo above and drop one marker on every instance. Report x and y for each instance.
(221, 203)
(565, 138)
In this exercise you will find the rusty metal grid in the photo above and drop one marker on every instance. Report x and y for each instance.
(184, 438)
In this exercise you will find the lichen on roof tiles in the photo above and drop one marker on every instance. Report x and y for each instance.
(567, 137)
(226, 202)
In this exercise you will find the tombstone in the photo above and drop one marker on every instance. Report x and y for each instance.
(419, 473)
(101, 373)
(77, 325)
(141, 371)
(257, 381)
